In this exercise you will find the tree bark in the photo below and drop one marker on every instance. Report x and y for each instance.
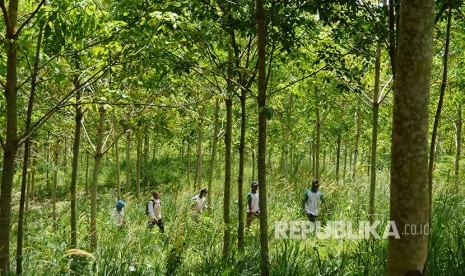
(437, 117)
(240, 178)
(458, 143)
(118, 180)
(214, 148)
(75, 163)
(409, 204)
(128, 161)
(374, 136)
(97, 160)
(198, 171)
(227, 164)
(357, 139)
(138, 164)
(261, 29)
(55, 184)
(11, 143)
(316, 174)
(338, 156)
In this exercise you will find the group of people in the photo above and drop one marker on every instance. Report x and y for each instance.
(310, 204)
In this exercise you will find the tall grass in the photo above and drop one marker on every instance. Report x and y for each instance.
(190, 248)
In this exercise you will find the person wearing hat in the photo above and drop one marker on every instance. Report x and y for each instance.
(153, 212)
(252, 204)
(119, 212)
(311, 201)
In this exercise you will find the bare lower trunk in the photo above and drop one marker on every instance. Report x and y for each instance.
(374, 137)
(118, 181)
(128, 161)
(214, 148)
(458, 143)
(227, 164)
(409, 204)
(261, 29)
(93, 197)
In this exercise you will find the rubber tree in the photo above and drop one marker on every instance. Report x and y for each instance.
(409, 203)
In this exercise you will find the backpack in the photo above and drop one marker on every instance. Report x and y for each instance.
(147, 206)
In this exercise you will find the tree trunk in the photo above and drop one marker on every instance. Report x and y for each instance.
(240, 179)
(145, 160)
(437, 117)
(198, 171)
(87, 173)
(47, 168)
(227, 164)
(357, 139)
(27, 151)
(254, 161)
(409, 203)
(316, 174)
(344, 169)
(458, 143)
(11, 143)
(75, 163)
(138, 164)
(214, 148)
(128, 161)
(261, 29)
(55, 184)
(118, 180)
(374, 137)
(93, 197)
(189, 162)
(338, 156)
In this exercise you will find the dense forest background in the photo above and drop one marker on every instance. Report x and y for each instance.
(107, 100)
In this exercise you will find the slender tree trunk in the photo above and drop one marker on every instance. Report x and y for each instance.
(118, 180)
(145, 160)
(458, 143)
(344, 170)
(28, 190)
(138, 164)
(33, 178)
(95, 174)
(11, 143)
(357, 139)
(409, 183)
(240, 179)
(55, 184)
(261, 29)
(214, 148)
(75, 163)
(198, 179)
(47, 168)
(27, 151)
(128, 161)
(254, 161)
(318, 138)
(227, 162)
(338, 156)
(87, 173)
(437, 117)
(189, 163)
(374, 137)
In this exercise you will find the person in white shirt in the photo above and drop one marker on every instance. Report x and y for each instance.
(252, 204)
(153, 212)
(311, 201)
(199, 204)
(119, 213)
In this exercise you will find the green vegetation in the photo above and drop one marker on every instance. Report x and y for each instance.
(188, 248)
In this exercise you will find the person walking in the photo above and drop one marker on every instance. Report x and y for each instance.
(153, 212)
(252, 205)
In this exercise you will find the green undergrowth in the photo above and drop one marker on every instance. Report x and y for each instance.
(191, 248)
